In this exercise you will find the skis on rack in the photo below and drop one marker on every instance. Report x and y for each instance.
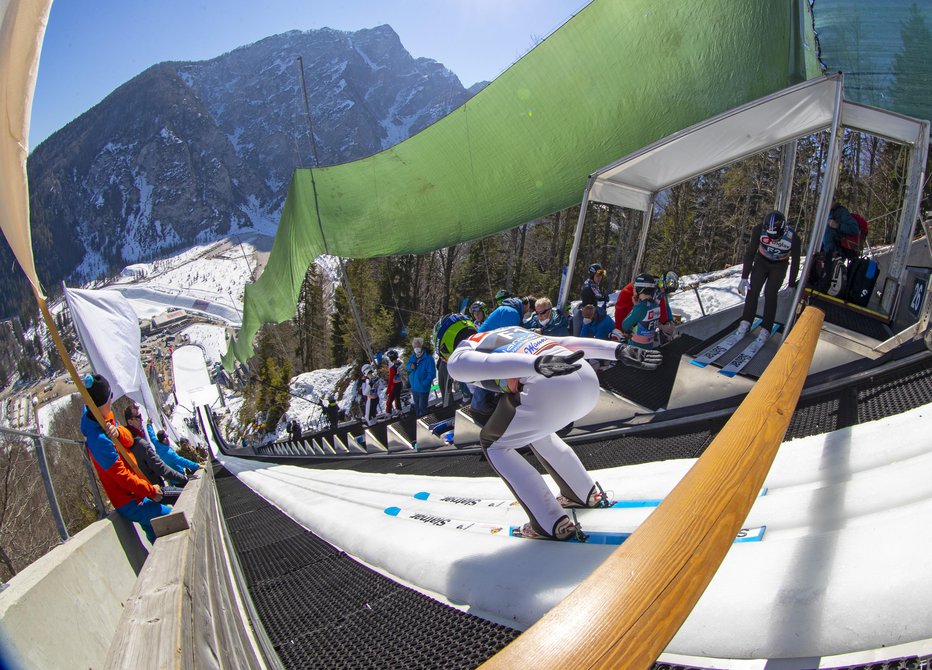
(723, 346)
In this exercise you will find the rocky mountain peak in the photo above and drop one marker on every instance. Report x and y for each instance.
(187, 152)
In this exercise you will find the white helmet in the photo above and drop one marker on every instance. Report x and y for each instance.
(366, 369)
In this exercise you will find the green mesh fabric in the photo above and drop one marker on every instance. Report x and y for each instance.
(883, 47)
(614, 78)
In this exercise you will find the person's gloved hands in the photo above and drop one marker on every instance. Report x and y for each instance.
(743, 287)
(556, 366)
(636, 357)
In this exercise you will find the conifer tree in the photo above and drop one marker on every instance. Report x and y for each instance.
(910, 92)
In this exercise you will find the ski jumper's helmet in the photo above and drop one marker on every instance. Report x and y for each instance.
(669, 282)
(774, 225)
(645, 283)
(477, 306)
(594, 269)
(500, 295)
(449, 331)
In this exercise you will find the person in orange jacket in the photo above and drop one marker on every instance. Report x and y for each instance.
(130, 493)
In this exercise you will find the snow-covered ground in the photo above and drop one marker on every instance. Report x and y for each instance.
(312, 388)
(211, 338)
(46, 413)
(209, 279)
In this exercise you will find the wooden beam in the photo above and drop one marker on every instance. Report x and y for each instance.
(625, 613)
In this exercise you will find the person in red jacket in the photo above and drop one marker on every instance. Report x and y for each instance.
(129, 491)
(395, 383)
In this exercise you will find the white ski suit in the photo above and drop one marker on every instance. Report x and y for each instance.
(533, 408)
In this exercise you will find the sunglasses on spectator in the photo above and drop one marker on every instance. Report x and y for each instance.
(541, 313)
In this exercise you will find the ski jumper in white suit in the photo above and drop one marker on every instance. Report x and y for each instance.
(533, 408)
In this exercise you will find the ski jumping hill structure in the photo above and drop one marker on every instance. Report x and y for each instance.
(353, 548)
(777, 518)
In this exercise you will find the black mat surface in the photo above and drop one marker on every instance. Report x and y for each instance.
(853, 321)
(650, 388)
(322, 609)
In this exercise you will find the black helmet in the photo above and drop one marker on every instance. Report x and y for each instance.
(645, 283)
(477, 306)
(449, 331)
(392, 355)
(595, 267)
(331, 398)
(774, 225)
(669, 282)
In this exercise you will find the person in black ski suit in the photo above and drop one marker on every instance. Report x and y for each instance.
(331, 411)
(773, 246)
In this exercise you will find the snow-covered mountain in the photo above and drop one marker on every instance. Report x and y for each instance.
(188, 152)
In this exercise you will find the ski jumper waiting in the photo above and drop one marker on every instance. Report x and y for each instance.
(542, 388)
(644, 318)
(772, 247)
(669, 282)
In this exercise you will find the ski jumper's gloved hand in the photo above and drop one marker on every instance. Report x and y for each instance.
(556, 366)
(636, 357)
(743, 286)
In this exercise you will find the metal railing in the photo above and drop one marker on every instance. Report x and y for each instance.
(45, 474)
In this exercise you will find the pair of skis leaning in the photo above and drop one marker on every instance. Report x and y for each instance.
(722, 347)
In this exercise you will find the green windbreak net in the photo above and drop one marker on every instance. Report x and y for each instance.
(616, 77)
(884, 47)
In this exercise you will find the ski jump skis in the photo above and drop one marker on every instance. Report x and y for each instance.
(746, 356)
(468, 501)
(721, 348)
(484, 528)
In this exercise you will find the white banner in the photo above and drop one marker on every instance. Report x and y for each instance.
(109, 332)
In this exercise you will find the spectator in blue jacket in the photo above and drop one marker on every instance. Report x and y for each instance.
(510, 313)
(547, 320)
(595, 323)
(421, 373)
(172, 458)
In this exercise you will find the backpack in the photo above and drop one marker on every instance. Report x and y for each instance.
(855, 243)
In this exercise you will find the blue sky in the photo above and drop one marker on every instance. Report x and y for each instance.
(92, 47)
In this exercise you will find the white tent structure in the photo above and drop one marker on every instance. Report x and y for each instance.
(778, 119)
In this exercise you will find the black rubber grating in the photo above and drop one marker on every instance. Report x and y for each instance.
(892, 396)
(813, 418)
(839, 315)
(322, 609)
(635, 449)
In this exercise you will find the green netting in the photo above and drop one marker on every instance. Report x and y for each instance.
(616, 77)
(884, 47)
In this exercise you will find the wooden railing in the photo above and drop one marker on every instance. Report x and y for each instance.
(626, 612)
(186, 610)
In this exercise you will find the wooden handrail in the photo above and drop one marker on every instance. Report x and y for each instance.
(627, 611)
